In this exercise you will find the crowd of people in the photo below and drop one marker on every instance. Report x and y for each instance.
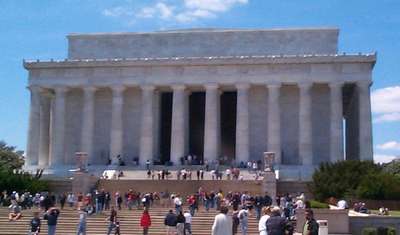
(177, 221)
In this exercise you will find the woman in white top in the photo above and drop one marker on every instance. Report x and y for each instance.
(262, 223)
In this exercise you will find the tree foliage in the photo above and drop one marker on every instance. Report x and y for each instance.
(10, 158)
(392, 167)
(13, 180)
(341, 179)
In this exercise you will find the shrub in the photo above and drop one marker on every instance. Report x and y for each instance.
(379, 186)
(340, 179)
(20, 181)
(319, 205)
(369, 231)
(391, 231)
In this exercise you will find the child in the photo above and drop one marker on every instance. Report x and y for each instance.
(35, 224)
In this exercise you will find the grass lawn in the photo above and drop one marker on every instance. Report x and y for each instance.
(391, 213)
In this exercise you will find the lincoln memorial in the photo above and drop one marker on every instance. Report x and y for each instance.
(217, 94)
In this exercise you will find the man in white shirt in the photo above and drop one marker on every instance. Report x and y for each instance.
(178, 204)
(244, 219)
(188, 223)
(262, 223)
(222, 223)
(342, 204)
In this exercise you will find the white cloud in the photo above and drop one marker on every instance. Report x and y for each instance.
(391, 145)
(382, 158)
(213, 5)
(117, 11)
(160, 9)
(386, 104)
(389, 117)
(182, 11)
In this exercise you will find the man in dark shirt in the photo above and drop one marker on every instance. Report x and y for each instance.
(112, 220)
(311, 226)
(51, 216)
(35, 224)
(170, 221)
(276, 224)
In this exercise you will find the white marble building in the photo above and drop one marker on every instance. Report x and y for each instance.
(216, 94)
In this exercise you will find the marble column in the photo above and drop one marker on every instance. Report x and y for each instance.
(365, 124)
(305, 127)
(178, 127)
(211, 123)
(336, 125)
(146, 150)
(116, 142)
(44, 139)
(274, 121)
(58, 129)
(242, 123)
(32, 148)
(87, 130)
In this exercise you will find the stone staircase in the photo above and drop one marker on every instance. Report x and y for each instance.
(97, 225)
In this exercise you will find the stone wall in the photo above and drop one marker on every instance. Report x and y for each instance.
(358, 223)
(203, 43)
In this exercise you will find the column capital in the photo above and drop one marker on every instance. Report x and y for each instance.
(305, 85)
(336, 84)
(35, 88)
(364, 84)
(272, 85)
(242, 86)
(89, 89)
(211, 86)
(148, 87)
(178, 87)
(117, 88)
(60, 90)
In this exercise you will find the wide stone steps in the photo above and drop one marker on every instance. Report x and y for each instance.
(97, 224)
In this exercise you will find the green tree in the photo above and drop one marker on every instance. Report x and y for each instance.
(10, 158)
(392, 167)
(380, 186)
(340, 179)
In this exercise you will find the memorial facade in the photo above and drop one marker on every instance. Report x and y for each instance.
(227, 95)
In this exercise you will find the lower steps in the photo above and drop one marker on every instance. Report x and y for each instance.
(97, 224)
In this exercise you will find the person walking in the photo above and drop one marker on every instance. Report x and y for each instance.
(35, 224)
(262, 223)
(180, 223)
(112, 219)
(82, 221)
(145, 221)
(51, 216)
(188, 223)
(170, 222)
(244, 219)
(222, 223)
(235, 221)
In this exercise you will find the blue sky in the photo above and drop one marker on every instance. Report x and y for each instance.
(36, 30)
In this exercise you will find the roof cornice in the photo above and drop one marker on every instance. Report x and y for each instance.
(202, 61)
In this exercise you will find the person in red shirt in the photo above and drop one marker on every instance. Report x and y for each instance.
(145, 221)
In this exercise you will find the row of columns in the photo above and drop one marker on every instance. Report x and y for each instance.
(40, 145)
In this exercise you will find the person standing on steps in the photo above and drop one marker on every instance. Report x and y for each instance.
(145, 222)
(35, 224)
(244, 219)
(82, 220)
(180, 223)
(170, 222)
(51, 216)
(222, 223)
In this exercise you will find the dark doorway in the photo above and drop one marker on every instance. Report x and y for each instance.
(228, 126)
(165, 126)
(197, 101)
